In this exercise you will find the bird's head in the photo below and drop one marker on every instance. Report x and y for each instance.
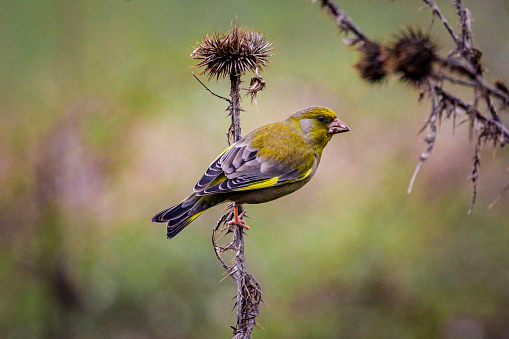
(318, 124)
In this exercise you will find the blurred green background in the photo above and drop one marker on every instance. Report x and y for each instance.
(102, 125)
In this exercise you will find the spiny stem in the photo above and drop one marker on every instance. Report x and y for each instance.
(231, 55)
(344, 23)
(437, 12)
(234, 133)
(234, 136)
(462, 66)
(247, 307)
(208, 89)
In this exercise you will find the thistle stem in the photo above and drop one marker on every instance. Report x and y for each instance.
(232, 54)
(245, 319)
(234, 133)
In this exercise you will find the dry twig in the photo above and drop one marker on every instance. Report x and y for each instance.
(232, 54)
(413, 58)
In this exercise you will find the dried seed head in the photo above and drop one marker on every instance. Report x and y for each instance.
(232, 53)
(412, 55)
(373, 62)
(256, 85)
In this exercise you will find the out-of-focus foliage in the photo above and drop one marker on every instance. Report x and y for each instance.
(102, 125)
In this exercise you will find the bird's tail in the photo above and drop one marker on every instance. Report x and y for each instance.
(182, 214)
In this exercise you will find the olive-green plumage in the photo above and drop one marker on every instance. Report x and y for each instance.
(268, 163)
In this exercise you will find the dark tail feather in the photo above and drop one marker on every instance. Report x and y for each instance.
(181, 215)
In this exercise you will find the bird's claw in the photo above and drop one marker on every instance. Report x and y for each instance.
(239, 222)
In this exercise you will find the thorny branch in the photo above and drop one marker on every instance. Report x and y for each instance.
(235, 109)
(248, 295)
(248, 290)
(414, 59)
(344, 23)
(232, 54)
(438, 13)
(208, 89)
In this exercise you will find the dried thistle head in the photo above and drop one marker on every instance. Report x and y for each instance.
(372, 64)
(232, 53)
(412, 55)
(256, 85)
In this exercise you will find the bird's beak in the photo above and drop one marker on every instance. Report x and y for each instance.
(338, 126)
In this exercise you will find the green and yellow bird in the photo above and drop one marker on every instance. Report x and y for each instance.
(268, 163)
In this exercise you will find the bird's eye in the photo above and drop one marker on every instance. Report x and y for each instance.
(321, 118)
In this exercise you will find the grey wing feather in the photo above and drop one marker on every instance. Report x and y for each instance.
(226, 164)
(211, 173)
(240, 167)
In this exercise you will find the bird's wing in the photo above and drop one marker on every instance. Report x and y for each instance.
(243, 167)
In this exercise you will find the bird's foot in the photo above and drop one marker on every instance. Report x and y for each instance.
(241, 223)
(238, 219)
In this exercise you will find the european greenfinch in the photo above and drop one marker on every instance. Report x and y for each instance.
(268, 163)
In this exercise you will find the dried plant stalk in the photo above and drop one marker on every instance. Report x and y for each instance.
(248, 290)
(232, 54)
(413, 58)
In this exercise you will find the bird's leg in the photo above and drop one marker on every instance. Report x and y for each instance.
(238, 218)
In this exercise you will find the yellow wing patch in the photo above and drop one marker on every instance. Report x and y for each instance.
(271, 182)
(305, 175)
(260, 184)
(195, 216)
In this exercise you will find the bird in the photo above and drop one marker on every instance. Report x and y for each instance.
(268, 163)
